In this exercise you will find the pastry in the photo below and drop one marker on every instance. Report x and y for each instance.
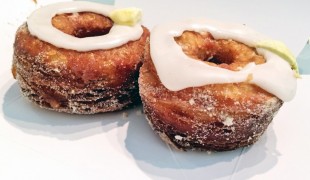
(72, 57)
(206, 85)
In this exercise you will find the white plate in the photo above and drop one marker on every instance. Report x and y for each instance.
(42, 144)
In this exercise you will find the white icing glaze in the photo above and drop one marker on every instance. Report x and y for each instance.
(40, 25)
(177, 71)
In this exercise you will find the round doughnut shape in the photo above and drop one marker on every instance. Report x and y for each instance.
(217, 116)
(40, 25)
(73, 81)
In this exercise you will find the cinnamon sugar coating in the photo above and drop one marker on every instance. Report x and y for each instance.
(215, 117)
(78, 82)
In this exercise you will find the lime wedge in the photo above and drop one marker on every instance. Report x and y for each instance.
(281, 50)
(126, 16)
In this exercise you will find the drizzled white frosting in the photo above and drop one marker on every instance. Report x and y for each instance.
(177, 71)
(40, 25)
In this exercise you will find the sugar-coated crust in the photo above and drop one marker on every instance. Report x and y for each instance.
(78, 82)
(216, 117)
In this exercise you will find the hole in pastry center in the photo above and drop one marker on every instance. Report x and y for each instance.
(83, 24)
(228, 54)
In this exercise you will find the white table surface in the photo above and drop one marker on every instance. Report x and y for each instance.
(39, 144)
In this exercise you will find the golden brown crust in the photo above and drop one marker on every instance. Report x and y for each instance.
(212, 117)
(78, 82)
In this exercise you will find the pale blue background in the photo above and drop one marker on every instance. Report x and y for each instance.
(103, 1)
(303, 60)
